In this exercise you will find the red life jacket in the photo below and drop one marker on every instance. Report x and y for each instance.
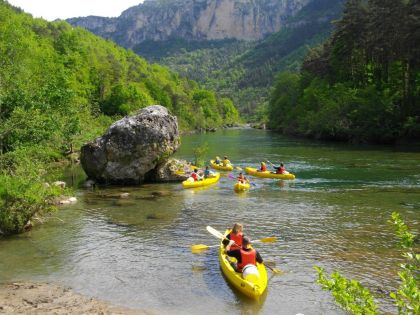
(194, 176)
(280, 170)
(237, 238)
(247, 257)
(263, 168)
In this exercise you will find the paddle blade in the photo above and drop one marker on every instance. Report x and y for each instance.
(215, 232)
(238, 168)
(199, 248)
(270, 239)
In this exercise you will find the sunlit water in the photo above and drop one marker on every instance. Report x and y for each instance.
(135, 252)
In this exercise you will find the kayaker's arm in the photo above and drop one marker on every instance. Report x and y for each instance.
(259, 258)
(231, 242)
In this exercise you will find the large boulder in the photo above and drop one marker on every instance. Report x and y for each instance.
(132, 147)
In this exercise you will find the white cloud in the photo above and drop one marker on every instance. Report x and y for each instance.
(63, 9)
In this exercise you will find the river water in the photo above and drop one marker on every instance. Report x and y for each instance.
(135, 252)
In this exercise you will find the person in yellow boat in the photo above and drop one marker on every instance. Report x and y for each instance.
(246, 255)
(235, 235)
(225, 161)
(195, 176)
(280, 169)
(263, 167)
(208, 173)
(217, 160)
(242, 179)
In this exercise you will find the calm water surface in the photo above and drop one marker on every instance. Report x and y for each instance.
(136, 251)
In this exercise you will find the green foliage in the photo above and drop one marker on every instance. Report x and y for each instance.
(356, 299)
(349, 294)
(200, 153)
(22, 189)
(352, 88)
(61, 86)
(407, 297)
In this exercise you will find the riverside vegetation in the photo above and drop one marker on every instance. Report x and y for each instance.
(361, 85)
(356, 299)
(61, 86)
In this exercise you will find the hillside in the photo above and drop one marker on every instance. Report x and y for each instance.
(242, 70)
(61, 86)
(362, 84)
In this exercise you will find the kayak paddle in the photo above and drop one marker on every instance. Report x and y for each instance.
(201, 247)
(274, 270)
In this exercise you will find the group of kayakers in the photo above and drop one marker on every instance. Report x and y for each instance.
(196, 176)
(239, 247)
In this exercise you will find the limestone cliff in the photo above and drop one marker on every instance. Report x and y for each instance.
(193, 20)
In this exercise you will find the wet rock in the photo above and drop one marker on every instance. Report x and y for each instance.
(60, 184)
(89, 184)
(172, 170)
(161, 193)
(124, 195)
(132, 147)
(64, 200)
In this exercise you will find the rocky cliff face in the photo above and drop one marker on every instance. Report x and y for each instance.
(193, 20)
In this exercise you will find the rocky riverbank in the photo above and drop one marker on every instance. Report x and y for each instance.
(44, 298)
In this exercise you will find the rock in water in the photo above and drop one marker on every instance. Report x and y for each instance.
(132, 147)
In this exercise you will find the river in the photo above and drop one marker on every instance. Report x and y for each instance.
(135, 252)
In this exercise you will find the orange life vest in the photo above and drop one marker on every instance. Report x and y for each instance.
(263, 168)
(237, 238)
(247, 257)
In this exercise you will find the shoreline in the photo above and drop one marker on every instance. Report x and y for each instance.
(48, 298)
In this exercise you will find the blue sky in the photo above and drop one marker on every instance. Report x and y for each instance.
(62, 9)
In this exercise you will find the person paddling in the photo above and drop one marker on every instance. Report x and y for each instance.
(280, 169)
(235, 235)
(225, 161)
(217, 161)
(195, 175)
(263, 167)
(242, 179)
(245, 255)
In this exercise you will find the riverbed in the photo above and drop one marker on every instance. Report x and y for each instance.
(135, 251)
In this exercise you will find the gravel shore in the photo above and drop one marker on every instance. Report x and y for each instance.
(45, 298)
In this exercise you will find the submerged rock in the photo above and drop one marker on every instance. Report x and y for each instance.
(132, 147)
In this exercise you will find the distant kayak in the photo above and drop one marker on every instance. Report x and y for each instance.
(207, 181)
(254, 172)
(241, 186)
(220, 167)
(253, 285)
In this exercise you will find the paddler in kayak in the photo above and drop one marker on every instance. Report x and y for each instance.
(208, 173)
(235, 235)
(246, 256)
(242, 179)
(225, 161)
(263, 167)
(280, 169)
(217, 160)
(195, 176)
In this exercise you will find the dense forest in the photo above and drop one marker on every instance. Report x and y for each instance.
(245, 70)
(61, 86)
(362, 84)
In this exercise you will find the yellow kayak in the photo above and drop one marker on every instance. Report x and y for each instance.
(253, 171)
(254, 286)
(241, 186)
(200, 183)
(220, 167)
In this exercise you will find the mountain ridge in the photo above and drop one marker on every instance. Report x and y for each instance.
(193, 20)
